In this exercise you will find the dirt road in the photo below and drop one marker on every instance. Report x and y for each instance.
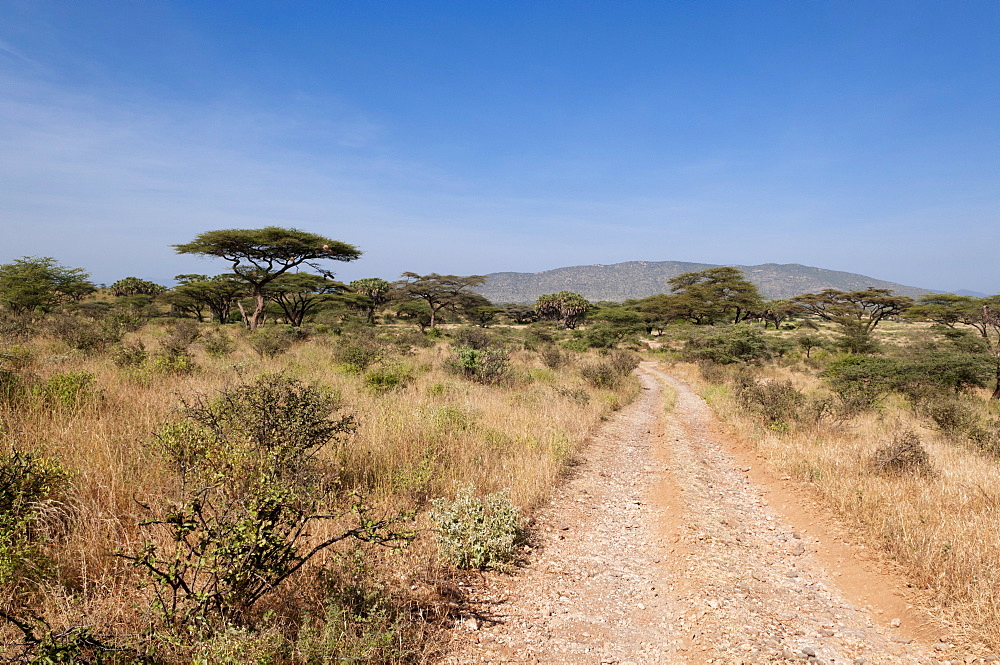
(667, 546)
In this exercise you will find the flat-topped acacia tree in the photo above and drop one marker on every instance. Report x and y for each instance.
(259, 256)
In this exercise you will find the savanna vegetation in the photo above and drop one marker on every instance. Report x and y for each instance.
(268, 465)
(887, 409)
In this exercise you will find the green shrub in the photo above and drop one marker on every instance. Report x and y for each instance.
(85, 333)
(28, 483)
(272, 341)
(551, 356)
(738, 343)
(129, 355)
(359, 352)
(473, 338)
(249, 488)
(488, 366)
(173, 363)
(388, 377)
(949, 414)
(860, 382)
(361, 623)
(68, 391)
(236, 645)
(218, 343)
(478, 532)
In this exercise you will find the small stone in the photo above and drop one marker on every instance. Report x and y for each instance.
(809, 651)
(895, 623)
(472, 623)
(563, 526)
(860, 661)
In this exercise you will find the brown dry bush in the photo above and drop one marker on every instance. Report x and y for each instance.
(904, 454)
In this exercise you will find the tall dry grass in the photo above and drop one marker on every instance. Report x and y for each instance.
(943, 526)
(425, 438)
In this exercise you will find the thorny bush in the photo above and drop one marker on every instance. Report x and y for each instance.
(250, 488)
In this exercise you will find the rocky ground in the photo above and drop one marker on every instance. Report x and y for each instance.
(667, 546)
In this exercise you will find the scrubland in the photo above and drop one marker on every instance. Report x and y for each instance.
(142, 474)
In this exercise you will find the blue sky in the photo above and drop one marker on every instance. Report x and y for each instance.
(473, 137)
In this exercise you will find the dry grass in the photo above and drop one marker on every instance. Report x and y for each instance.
(944, 526)
(417, 441)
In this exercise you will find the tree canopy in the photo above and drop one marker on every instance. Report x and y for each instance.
(708, 295)
(259, 256)
(441, 292)
(856, 312)
(34, 282)
(299, 294)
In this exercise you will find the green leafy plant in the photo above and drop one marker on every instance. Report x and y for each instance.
(68, 391)
(388, 377)
(250, 489)
(488, 366)
(478, 532)
(28, 484)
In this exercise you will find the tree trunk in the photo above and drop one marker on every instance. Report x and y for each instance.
(996, 390)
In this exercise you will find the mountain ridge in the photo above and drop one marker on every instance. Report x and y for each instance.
(637, 279)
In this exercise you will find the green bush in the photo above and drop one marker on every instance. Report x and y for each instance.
(359, 352)
(551, 356)
(84, 333)
(949, 414)
(218, 344)
(388, 377)
(28, 483)
(361, 623)
(860, 382)
(249, 489)
(488, 366)
(129, 355)
(271, 341)
(68, 391)
(473, 338)
(738, 343)
(478, 532)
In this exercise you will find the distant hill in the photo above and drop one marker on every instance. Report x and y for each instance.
(638, 279)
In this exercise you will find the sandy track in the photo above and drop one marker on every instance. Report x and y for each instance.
(662, 549)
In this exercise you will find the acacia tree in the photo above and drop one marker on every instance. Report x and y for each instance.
(856, 312)
(991, 332)
(708, 295)
(376, 290)
(259, 256)
(566, 307)
(948, 309)
(299, 294)
(196, 292)
(440, 291)
(41, 282)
